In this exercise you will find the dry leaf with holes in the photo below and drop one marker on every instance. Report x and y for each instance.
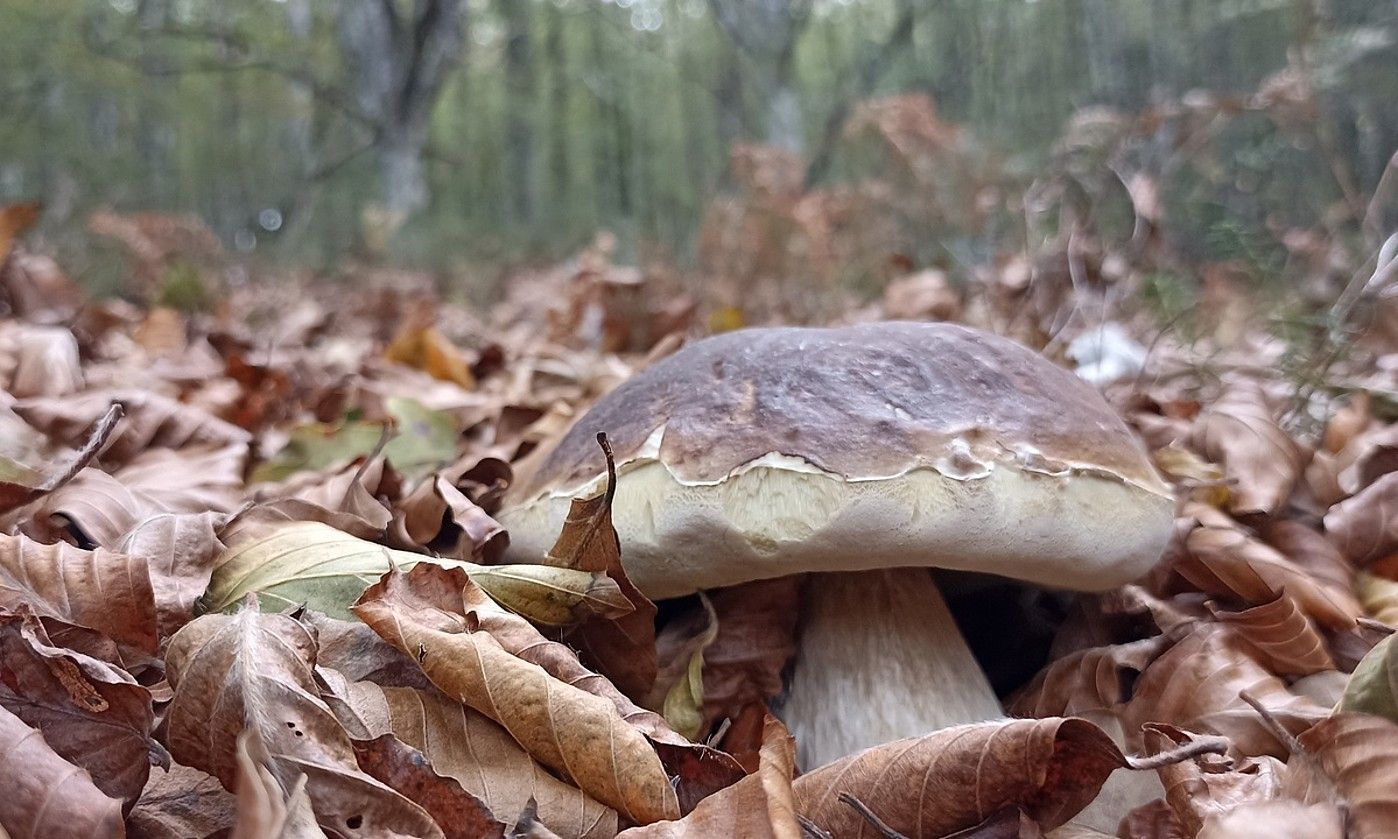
(253, 672)
(576, 733)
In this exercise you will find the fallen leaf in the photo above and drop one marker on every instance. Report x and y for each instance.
(101, 590)
(1284, 640)
(1210, 785)
(266, 810)
(953, 779)
(460, 814)
(761, 805)
(755, 642)
(102, 508)
(253, 672)
(464, 744)
(1276, 818)
(1373, 686)
(43, 361)
(679, 685)
(179, 803)
(1195, 685)
(1223, 560)
(91, 713)
(178, 551)
(151, 421)
(1368, 458)
(423, 440)
(1365, 527)
(20, 485)
(1094, 683)
(438, 516)
(621, 647)
(313, 564)
(14, 220)
(561, 726)
(1263, 462)
(46, 795)
(1379, 596)
(1348, 758)
(425, 348)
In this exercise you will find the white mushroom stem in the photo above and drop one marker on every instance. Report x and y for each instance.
(879, 659)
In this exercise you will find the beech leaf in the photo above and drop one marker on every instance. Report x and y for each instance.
(45, 795)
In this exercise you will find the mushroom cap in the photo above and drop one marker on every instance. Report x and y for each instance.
(766, 452)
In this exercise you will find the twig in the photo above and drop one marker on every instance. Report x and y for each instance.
(94, 444)
(811, 829)
(1194, 748)
(868, 815)
(1270, 723)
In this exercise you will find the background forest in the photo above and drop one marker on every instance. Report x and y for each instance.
(465, 135)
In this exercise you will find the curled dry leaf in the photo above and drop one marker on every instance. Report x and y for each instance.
(45, 795)
(92, 714)
(679, 687)
(1195, 685)
(464, 744)
(152, 421)
(355, 489)
(101, 590)
(1348, 758)
(955, 778)
(756, 638)
(439, 516)
(20, 485)
(1284, 640)
(565, 728)
(1091, 683)
(620, 647)
(1240, 431)
(1223, 560)
(102, 508)
(1368, 458)
(179, 803)
(314, 564)
(1210, 785)
(253, 672)
(1365, 527)
(761, 806)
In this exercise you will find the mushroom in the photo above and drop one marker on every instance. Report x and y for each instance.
(869, 453)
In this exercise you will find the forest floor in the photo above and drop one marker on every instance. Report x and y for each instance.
(250, 582)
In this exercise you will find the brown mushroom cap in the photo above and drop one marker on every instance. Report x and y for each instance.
(770, 451)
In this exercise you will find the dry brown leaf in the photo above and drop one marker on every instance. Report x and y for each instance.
(1284, 640)
(41, 361)
(14, 220)
(266, 810)
(152, 421)
(464, 744)
(357, 653)
(1210, 785)
(45, 795)
(1090, 683)
(92, 714)
(252, 671)
(440, 517)
(180, 803)
(1379, 596)
(1223, 560)
(1365, 527)
(102, 508)
(1152, 821)
(356, 489)
(622, 648)
(955, 778)
(1308, 548)
(1368, 458)
(756, 639)
(460, 814)
(565, 728)
(101, 590)
(1349, 758)
(20, 485)
(1195, 685)
(178, 551)
(1276, 818)
(421, 346)
(761, 805)
(1346, 423)
(1240, 431)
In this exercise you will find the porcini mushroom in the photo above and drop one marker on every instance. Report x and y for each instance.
(871, 453)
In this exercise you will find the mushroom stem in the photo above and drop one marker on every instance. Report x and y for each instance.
(879, 659)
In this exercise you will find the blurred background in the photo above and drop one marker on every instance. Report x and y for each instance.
(757, 147)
